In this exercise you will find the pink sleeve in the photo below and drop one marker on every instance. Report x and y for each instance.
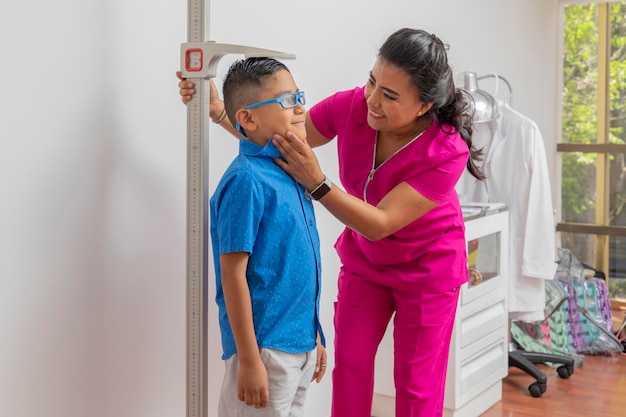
(320, 116)
(332, 113)
(437, 181)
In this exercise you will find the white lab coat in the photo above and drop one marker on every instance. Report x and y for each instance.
(517, 174)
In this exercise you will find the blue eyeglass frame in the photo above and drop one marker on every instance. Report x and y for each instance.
(299, 98)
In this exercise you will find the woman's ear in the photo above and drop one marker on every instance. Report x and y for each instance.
(425, 108)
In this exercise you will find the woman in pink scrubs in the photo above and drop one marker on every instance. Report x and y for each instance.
(403, 140)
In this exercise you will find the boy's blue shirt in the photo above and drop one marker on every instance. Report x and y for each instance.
(259, 209)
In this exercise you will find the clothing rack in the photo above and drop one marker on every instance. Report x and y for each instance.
(498, 79)
(486, 106)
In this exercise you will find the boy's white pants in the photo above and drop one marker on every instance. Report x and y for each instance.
(289, 377)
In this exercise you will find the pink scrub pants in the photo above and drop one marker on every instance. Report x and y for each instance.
(422, 330)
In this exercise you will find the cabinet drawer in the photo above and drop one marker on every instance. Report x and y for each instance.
(480, 323)
(471, 293)
(484, 368)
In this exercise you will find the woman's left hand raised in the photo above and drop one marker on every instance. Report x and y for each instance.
(301, 163)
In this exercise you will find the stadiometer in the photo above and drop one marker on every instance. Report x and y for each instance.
(198, 63)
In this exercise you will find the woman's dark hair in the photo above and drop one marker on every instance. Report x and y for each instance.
(423, 56)
(244, 82)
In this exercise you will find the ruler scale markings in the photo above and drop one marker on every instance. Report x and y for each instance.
(196, 275)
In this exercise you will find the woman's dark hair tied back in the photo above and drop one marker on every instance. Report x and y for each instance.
(423, 57)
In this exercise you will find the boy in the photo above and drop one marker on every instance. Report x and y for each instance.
(266, 253)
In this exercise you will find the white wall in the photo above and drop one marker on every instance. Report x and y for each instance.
(92, 174)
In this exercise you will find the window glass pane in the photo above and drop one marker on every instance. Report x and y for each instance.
(580, 74)
(617, 162)
(578, 187)
(582, 246)
(617, 217)
(617, 265)
(617, 73)
(617, 190)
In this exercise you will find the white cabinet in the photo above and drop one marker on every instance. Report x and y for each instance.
(479, 346)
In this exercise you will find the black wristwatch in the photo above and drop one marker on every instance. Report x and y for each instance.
(321, 190)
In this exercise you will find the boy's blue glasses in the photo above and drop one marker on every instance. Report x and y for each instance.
(286, 101)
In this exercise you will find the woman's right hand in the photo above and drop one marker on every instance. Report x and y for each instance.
(187, 90)
(216, 104)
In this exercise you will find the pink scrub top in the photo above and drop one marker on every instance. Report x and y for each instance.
(428, 255)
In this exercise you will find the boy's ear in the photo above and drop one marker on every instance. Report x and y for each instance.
(244, 117)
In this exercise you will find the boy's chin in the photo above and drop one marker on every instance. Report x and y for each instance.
(300, 133)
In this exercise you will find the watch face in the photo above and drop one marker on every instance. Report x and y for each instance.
(321, 190)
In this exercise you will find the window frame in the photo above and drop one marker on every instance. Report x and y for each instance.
(600, 229)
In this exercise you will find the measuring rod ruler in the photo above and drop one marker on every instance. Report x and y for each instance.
(198, 62)
(197, 306)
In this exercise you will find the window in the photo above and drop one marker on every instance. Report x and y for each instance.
(593, 144)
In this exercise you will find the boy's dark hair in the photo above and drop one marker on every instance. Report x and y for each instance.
(245, 80)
